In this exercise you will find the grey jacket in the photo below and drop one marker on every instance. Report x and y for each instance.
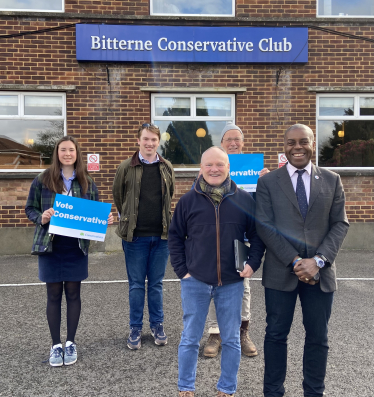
(281, 226)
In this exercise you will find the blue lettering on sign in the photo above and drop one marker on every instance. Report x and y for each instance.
(135, 43)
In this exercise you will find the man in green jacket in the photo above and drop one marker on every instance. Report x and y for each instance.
(142, 190)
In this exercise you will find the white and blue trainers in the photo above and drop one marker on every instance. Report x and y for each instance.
(70, 356)
(56, 356)
(134, 342)
(159, 335)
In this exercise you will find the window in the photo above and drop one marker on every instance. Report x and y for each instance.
(223, 8)
(345, 8)
(32, 5)
(190, 124)
(30, 125)
(345, 130)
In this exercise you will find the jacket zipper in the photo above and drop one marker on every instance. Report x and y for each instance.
(216, 212)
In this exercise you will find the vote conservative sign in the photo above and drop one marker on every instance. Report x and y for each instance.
(76, 217)
(138, 43)
(245, 170)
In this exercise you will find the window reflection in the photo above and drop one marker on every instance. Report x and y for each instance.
(183, 142)
(28, 143)
(345, 8)
(348, 143)
(43, 5)
(192, 7)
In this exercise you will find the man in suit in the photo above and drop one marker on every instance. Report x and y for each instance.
(300, 216)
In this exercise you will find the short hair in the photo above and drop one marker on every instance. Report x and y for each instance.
(300, 127)
(151, 128)
(215, 147)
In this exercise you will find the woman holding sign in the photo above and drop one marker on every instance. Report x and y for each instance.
(63, 261)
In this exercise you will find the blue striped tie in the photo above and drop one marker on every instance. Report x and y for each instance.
(301, 194)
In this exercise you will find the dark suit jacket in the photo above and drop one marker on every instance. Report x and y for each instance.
(282, 228)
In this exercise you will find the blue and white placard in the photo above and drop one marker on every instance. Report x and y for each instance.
(245, 170)
(76, 217)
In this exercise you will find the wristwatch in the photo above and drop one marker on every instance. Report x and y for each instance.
(322, 256)
(320, 262)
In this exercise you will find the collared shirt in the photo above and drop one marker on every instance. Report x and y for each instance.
(145, 161)
(306, 177)
(67, 182)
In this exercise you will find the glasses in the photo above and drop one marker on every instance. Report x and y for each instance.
(146, 125)
(236, 140)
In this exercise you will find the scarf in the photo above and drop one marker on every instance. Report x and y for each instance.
(216, 193)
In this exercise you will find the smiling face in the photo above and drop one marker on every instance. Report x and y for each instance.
(67, 154)
(148, 144)
(299, 146)
(215, 166)
(232, 142)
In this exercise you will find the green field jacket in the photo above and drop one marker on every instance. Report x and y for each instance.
(126, 192)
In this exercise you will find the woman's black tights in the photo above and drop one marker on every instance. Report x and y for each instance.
(73, 308)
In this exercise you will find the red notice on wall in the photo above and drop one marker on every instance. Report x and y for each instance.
(93, 162)
(282, 159)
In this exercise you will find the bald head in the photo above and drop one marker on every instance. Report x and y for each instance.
(215, 166)
(302, 127)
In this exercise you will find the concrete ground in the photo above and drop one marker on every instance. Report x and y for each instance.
(106, 367)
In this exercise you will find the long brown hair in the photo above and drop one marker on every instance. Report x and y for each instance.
(52, 176)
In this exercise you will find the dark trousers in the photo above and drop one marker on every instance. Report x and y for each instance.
(316, 308)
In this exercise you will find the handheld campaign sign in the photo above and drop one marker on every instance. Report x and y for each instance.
(76, 217)
(245, 170)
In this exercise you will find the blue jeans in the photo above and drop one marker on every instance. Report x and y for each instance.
(280, 306)
(196, 297)
(146, 257)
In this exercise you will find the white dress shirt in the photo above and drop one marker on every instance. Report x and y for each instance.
(306, 177)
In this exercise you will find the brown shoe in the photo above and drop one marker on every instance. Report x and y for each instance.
(248, 347)
(212, 345)
(186, 394)
(222, 394)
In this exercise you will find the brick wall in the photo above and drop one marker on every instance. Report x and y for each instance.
(104, 116)
(13, 194)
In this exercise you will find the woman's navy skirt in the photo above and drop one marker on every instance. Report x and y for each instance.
(66, 262)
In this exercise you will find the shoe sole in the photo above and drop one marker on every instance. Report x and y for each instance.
(72, 362)
(132, 347)
(251, 354)
(161, 343)
(56, 365)
(210, 355)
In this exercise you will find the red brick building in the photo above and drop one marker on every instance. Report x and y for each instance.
(45, 92)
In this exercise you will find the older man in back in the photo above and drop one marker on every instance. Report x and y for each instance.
(205, 224)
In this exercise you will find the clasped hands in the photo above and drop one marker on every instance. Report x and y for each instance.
(305, 270)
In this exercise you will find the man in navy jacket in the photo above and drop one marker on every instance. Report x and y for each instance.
(201, 242)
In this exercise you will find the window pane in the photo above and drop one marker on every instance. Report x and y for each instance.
(8, 105)
(213, 107)
(43, 105)
(366, 106)
(43, 5)
(172, 106)
(208, 7)
(180, 143)
(344, 8)
(336, 106)
(28, 143)
(346, 143)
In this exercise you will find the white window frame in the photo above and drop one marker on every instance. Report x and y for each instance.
(340, 16)
(35, 10)
(356, 116)
(194, 15)
(193, 116)
(22, 116)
